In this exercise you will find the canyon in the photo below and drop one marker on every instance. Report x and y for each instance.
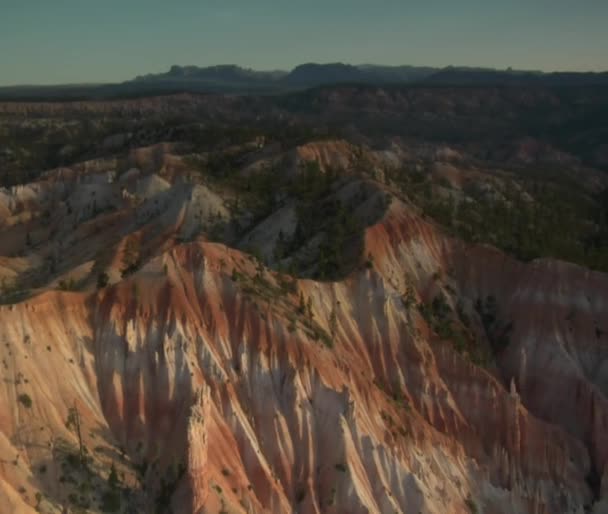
(263, 326)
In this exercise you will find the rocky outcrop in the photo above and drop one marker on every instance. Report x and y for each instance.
(209, 382)
(235, 400)
(197, 451)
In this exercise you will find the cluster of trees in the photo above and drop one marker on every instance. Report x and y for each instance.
(319, 212)
(35, 147)
(131, 259)
(317, 209)
(528, 218)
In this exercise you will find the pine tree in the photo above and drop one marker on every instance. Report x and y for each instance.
(333, 322)
(302, 306)
(113, 477)
(74, 425)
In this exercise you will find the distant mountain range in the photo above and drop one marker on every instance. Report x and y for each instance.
(234, 79)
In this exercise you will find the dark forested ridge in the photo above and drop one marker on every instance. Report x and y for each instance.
(534, 159)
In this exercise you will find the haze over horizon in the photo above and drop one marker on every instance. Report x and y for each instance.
(83, 42)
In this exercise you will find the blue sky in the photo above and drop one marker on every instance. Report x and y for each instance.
(66, 41)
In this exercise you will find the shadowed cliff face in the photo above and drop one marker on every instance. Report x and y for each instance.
(223, 393)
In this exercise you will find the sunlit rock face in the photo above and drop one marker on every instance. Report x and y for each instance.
(210, 392)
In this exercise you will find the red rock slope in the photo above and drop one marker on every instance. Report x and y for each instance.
(215, 385)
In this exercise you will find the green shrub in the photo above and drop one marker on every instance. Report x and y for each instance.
(25, 400)
(102, 280)
(68, 285)
(471, 505)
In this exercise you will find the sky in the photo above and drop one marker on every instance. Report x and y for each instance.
(78, 41)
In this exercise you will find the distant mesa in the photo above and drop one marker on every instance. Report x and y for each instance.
(313, 74)
(220, 73)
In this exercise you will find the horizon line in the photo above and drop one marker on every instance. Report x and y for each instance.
(465, 67)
